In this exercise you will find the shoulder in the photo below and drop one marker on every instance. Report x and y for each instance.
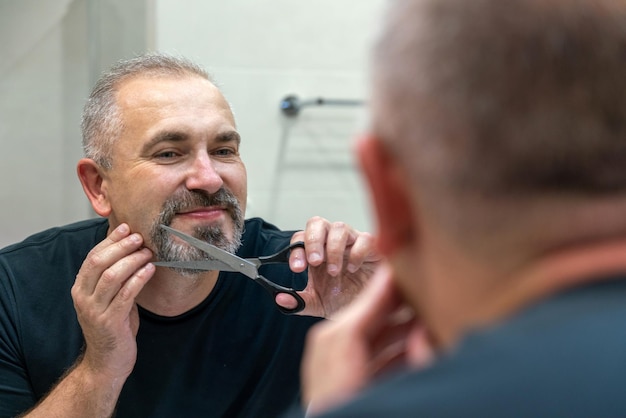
(262, 237)
(562, 357)
(38, 272)
(79, 229)
(88, 231)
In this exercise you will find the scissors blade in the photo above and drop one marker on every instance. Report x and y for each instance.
(239, 264)
(208, 265)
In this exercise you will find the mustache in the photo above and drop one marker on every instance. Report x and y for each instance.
(192, 199)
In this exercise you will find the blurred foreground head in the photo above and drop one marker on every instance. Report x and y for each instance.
(507, 115)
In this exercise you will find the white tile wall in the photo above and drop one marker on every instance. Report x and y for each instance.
(259, 51)
(41, 91)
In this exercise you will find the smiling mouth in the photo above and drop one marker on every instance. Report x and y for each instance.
(209, 213)
(201, 209)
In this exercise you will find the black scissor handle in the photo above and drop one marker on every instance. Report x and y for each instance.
(274, 289)
(282, 256)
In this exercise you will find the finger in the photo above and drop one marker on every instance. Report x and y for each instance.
(391, 345)
(376, 303)
(389, 358)
(297, 257)
(337, 356)
(124, 301)
(333, 366)
(420, 351)
(286, 301)
(362, 250)
(117, 245)
(114, 277)
(339, 237)
(315, 240)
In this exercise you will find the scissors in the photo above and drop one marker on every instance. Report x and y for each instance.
(225, 261)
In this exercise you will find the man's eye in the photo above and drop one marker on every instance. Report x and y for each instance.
(225, 152)
(166, 154)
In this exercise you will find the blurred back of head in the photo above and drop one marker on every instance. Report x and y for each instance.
(521, 95)
(491, 100)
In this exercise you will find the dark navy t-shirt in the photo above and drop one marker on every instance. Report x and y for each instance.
(234, 355)
(562, 357)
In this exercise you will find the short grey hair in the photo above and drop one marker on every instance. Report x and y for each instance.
(522, 97)
(101, 122)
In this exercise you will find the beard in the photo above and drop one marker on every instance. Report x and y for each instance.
(167, 249)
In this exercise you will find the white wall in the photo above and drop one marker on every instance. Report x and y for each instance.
(50, 54)
(39, 114)
(259, 51)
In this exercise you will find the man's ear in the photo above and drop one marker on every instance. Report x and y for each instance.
(391, 194)
(92, 179)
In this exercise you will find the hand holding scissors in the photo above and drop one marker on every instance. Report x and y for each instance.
(224, 261)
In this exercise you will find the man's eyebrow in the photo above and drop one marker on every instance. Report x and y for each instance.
(165, 136)
(229, 137)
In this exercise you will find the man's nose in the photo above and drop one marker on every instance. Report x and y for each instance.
(203, 175)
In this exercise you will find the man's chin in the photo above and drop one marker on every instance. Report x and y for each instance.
(190, 273)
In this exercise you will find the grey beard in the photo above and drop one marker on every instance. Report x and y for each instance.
(169, 250)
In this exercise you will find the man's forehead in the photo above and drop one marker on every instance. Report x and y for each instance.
(152, 105)
(153, 95)
(165, 88)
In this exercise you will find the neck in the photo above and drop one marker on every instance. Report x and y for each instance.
(553, 273)
(170, 294)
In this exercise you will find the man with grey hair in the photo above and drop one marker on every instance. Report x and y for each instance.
(497, 164)
(90, 327)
